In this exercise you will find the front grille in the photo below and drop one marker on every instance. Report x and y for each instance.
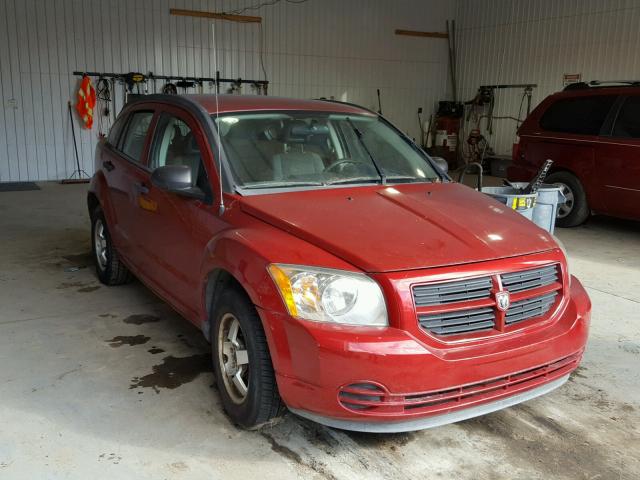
(460, 321)
(468, 306)
(530, 308)
(529, 279)
(450, 292)
(371, 399)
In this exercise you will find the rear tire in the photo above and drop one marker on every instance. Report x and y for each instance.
(109, 267)
(576, 210)
(242, 363)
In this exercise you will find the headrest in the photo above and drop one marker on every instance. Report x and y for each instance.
(299, 130)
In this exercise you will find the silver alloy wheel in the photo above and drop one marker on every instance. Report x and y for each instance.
(567, 208)
(233, 358)
(100, 244)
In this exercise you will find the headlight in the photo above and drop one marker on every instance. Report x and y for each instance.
(325, 295)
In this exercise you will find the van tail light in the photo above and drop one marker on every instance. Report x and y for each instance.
(517, 153)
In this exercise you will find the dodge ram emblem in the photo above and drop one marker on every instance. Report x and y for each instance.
(503, 301)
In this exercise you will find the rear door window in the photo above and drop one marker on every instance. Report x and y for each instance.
(133, 140)
(579, 115)
(628, 122)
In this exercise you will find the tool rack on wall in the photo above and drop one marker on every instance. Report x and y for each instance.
(136, 84)
(261, 86)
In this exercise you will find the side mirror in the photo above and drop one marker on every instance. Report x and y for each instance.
(176, 179)
(441, 163)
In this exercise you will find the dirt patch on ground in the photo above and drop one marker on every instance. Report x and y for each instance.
(88, 289)
(82, 260)
(130, 340)
(141, 318)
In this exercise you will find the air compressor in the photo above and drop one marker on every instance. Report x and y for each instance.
(446, 129)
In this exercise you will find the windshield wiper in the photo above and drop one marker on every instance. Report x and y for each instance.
(280, 185)
(352, 180)
(358, 133)
(408, 179)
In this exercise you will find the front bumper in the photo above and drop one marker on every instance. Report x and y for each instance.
(434, 420)
(412, 384)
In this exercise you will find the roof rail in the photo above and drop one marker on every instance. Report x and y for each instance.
(602, 83)
(331, 100)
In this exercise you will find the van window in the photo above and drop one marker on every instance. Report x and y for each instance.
(132, 142)
(628, 121)
(580, 115)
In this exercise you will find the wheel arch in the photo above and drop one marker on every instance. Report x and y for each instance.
(218, 281)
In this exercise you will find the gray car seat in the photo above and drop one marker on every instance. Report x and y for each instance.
(247, 160)
(187, 152)
(296, 162)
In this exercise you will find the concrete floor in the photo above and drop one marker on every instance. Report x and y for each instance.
(100, 382)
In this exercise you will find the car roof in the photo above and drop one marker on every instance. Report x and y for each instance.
(598, 90)
(247, 103)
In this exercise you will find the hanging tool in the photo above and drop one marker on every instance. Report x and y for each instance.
(184, 84)
(103, 93)
(420, 125)
(379, 104)
(114, 110)
(134, 79)
(170, 89)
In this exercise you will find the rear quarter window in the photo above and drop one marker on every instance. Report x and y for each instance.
(134, 138)
(114, 133)
(628, 121)
(579, 115)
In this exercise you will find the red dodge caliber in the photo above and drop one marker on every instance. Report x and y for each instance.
(334, 267)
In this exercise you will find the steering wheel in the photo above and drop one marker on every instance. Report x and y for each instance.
(346, 161)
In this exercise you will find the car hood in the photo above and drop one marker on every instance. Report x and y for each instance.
(403, 227)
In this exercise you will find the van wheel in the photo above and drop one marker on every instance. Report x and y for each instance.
(109, 267)
(576, 210)
(243, 369)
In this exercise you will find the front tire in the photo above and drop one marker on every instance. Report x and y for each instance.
(109, 267)
(576, 209)
(242, 363)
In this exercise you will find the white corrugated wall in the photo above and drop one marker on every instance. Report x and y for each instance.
(341, 48)
(537, 41)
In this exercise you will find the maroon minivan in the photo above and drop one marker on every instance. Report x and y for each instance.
(592, 133)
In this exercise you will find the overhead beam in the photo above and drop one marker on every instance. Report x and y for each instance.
(415, 33)
(216, 16)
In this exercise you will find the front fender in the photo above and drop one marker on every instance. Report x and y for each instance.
(245, 254)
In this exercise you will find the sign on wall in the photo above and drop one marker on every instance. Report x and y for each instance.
(569, 78)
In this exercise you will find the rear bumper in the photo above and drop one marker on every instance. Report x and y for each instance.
(323, 369)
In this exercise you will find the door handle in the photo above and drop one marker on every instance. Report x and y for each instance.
(108, 165)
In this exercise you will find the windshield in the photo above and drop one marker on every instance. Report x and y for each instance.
(292, 149)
